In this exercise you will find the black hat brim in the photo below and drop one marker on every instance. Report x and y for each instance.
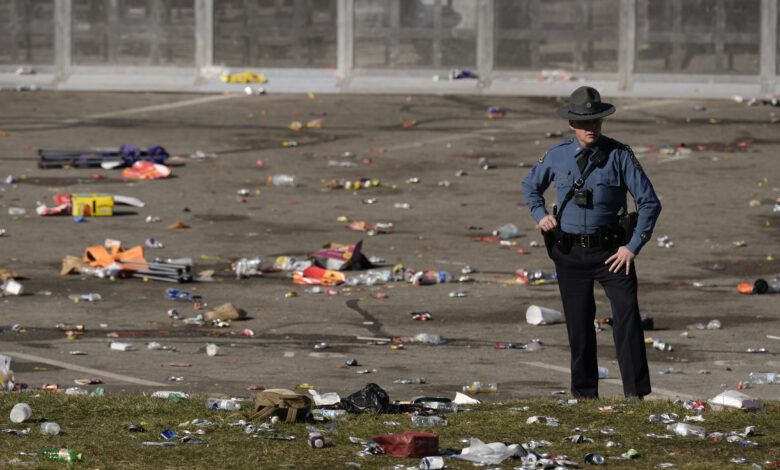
(565, 113)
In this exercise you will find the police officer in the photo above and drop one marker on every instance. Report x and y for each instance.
(587, 242)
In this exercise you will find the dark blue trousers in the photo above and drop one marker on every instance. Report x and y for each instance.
(577, 271)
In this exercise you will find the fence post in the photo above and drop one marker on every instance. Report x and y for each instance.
(627, 45)
(486, 25)
(62, 39)
(768, 47)
(204, 34)
(345, 39)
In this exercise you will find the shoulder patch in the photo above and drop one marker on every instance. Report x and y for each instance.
(633, 157)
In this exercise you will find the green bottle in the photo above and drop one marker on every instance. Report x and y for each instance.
(61, 455)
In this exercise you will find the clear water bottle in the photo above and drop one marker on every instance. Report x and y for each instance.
(480, 387)
(506, 232)
(402, 205)
(421, 421)
(222, 404)
(441, 406)
(92, 271)
(371, 278)
(50, 428)
(282, 179)
(431, 338)
(687, 430)
(764, 378)
(248, 266)
(321, 414)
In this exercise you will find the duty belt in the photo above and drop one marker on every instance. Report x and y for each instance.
(584, 240)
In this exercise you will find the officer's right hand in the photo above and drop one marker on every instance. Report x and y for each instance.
(548, 223)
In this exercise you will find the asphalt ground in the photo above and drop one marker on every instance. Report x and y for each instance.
(705, 194)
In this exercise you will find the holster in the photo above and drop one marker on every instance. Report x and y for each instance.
(556, 237)
(628, 222)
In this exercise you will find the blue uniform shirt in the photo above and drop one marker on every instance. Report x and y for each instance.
(620, 173)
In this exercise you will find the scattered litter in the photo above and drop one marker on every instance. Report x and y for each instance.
(536, 315)
(549, 421)
(735, 399)
(244, 77)
(493, 453)
(199, 154)
(664, 242)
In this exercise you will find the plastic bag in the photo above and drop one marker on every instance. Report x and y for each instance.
(493, 453)
(409, 444)
(372, 398)
(325, 399)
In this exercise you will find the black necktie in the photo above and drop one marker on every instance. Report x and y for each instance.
(582, 160)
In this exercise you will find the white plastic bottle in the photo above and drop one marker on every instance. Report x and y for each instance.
(282, 179)
(222, 404)
(321, 414)
(50, 428)
(687, 430)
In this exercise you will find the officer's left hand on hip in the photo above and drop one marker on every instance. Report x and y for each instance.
(621, 257)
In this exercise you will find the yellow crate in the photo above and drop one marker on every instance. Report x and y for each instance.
(92, 204)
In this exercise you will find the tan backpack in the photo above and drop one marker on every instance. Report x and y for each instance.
(281, 402)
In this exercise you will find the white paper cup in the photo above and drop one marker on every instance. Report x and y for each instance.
(212, 349)
(21, 412)
(12, 287)
(537, 315)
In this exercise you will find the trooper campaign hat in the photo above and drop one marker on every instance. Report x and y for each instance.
(585, 104)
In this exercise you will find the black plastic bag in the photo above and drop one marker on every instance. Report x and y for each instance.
(372, 398)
